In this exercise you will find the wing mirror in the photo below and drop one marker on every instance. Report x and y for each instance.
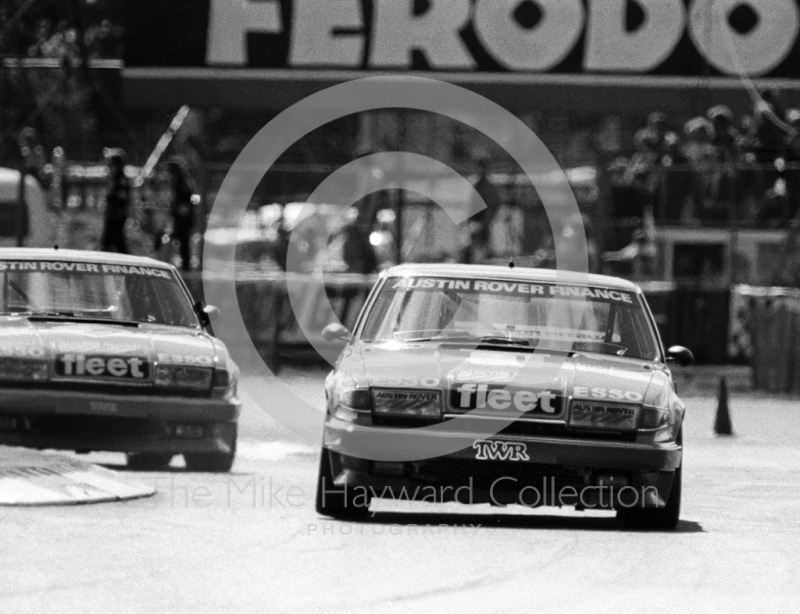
(680, 355)
(207, 313)
(335, 332)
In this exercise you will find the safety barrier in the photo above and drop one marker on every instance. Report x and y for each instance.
(766, 328)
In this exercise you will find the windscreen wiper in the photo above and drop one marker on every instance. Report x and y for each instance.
(451, 337)
(467, 338)
(75, 316)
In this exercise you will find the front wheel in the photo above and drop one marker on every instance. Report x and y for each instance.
(338, 502)
(209, 462)
(147, 461)
(666, 517)
(212, 462)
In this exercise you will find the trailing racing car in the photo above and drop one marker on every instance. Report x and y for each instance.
(569, 369)
(107, 352)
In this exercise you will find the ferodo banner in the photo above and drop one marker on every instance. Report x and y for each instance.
(662, 37)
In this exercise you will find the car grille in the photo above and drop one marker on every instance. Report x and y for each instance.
(120, 389)
(483, 474)
(519, 428)
(107, 428)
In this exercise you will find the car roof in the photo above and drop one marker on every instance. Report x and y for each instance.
(483, 271)
(78, 255)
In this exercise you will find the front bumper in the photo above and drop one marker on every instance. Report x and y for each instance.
(86, 421)
(596, 471)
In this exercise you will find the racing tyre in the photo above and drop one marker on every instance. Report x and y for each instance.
(334, 501)
(666, 517)
(211, 462)
(663, 518)
(148, 461)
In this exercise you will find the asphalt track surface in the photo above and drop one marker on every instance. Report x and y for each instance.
(251, 541)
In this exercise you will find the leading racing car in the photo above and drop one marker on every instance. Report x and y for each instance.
(544, 388)
(106, 352)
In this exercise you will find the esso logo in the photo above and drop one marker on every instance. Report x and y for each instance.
(611, 394)
(123, 367)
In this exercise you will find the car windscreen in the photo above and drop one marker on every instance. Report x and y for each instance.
(97, 290)
(581, 318)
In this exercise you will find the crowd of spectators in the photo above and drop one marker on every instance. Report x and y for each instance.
(50, 29)
(714, 168)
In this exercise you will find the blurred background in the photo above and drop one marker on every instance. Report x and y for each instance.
(676, 123)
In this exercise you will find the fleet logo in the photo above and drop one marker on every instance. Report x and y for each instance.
(487, 449)
(115, 367)
(482, 396)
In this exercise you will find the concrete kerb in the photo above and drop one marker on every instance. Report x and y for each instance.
(31, 478)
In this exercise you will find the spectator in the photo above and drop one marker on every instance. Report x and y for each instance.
(792, 174)
(640, 174)
(698, 134)
(657, 128)
(725, 138)
(675, 182)
(117, 205)
(636, 259)
(768, 137)
(34, 158)
(767, 129)
(722, 176)
(478, 248)
(182, 211)
(357, 252)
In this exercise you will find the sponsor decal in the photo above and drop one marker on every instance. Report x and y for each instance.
(81, 267)
(485, 396)
(596, 414)
(489, 449)
(408, 380)
(103, 407)
(502, 359)
(404, 396)
(21, 351)
(95, 347)
(511, 288)
(408, 402)
(569, 36)
(111, 367)
(482, 376)
(613, 394)
(185, 359)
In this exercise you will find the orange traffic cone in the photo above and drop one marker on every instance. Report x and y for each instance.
(722, 423)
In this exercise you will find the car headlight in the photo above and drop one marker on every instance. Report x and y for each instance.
(355, 398)
(654, 418)
(657, 420)
(405, 403)
(185, 377)
(656, 425)
(350, 402)
(15, 369)
(224, 384)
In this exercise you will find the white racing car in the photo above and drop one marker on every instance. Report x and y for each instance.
(600, 429)
(108, 352)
